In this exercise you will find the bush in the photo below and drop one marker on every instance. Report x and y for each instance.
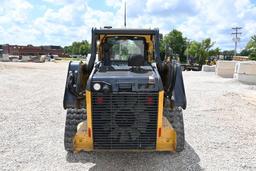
(252, 55)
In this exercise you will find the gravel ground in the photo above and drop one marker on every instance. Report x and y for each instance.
(219, 124)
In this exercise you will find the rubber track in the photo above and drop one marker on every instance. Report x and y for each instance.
(73, 118)
(175, 117)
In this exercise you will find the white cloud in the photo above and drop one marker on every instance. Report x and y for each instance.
(59, 2)
(71, 22)
(14, 17)
(18, 35)
(216, 18)
(14, 11)
(115, 3)
(153, 5)
(65, 21)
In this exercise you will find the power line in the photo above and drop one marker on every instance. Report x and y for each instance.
(236, 39)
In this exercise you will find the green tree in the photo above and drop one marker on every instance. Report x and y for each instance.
(251, 47)
(193, 48)
(78, 48)
(84, 48)
(176, 41)
(68, 49)
(75, 48)
(214, 52)
(252, 55)
(202, 50)
(251, 43)
(245, 52)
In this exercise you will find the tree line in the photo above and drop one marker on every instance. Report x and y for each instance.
(78, 48)
(181, 46)
(201, 50)
(184, 48)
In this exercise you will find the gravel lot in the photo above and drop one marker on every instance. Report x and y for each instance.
(219, 123)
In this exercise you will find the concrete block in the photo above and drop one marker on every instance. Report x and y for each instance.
(225, 68)
(43, 58)
(247, 67)
(5, 58)
(246, 72)
(247, 79)
(208, 68)
(25, 58)
(15, 60)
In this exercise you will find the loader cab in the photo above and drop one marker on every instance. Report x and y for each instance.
(126, 60)
(117, 46)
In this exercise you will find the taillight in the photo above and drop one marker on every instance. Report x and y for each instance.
(159, 132)
(99, 100)
(150, 100)
(89, 132)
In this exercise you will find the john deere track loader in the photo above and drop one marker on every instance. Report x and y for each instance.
(128, 100)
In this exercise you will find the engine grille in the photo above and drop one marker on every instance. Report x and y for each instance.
(124, 120)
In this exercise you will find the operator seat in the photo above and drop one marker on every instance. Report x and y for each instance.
(136, 60)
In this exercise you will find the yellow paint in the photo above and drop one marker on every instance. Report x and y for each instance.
(89, 108)
(82, 141)
(160, 111)
(167, 140)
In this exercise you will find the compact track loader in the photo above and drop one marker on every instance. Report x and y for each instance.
(125, 97)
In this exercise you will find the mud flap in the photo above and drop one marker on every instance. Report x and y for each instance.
(179, 90)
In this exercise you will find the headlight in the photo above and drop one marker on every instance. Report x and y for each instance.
(96, 86)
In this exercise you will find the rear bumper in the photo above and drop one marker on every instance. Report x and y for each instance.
(166, 141)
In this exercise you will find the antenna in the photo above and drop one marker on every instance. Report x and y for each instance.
(125, 14)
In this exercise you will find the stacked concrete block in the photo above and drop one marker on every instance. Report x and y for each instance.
(225, 69)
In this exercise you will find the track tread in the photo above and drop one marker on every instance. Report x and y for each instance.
(73, 118)
(175, 117)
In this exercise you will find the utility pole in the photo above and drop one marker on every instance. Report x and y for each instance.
(236, 39)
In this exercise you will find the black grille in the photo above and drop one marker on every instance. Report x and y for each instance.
(124, 120)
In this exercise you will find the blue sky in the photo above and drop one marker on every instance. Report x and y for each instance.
(61, 22)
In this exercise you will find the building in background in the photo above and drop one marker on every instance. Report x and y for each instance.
(30, 50)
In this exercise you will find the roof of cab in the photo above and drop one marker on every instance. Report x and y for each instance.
(125, 31)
